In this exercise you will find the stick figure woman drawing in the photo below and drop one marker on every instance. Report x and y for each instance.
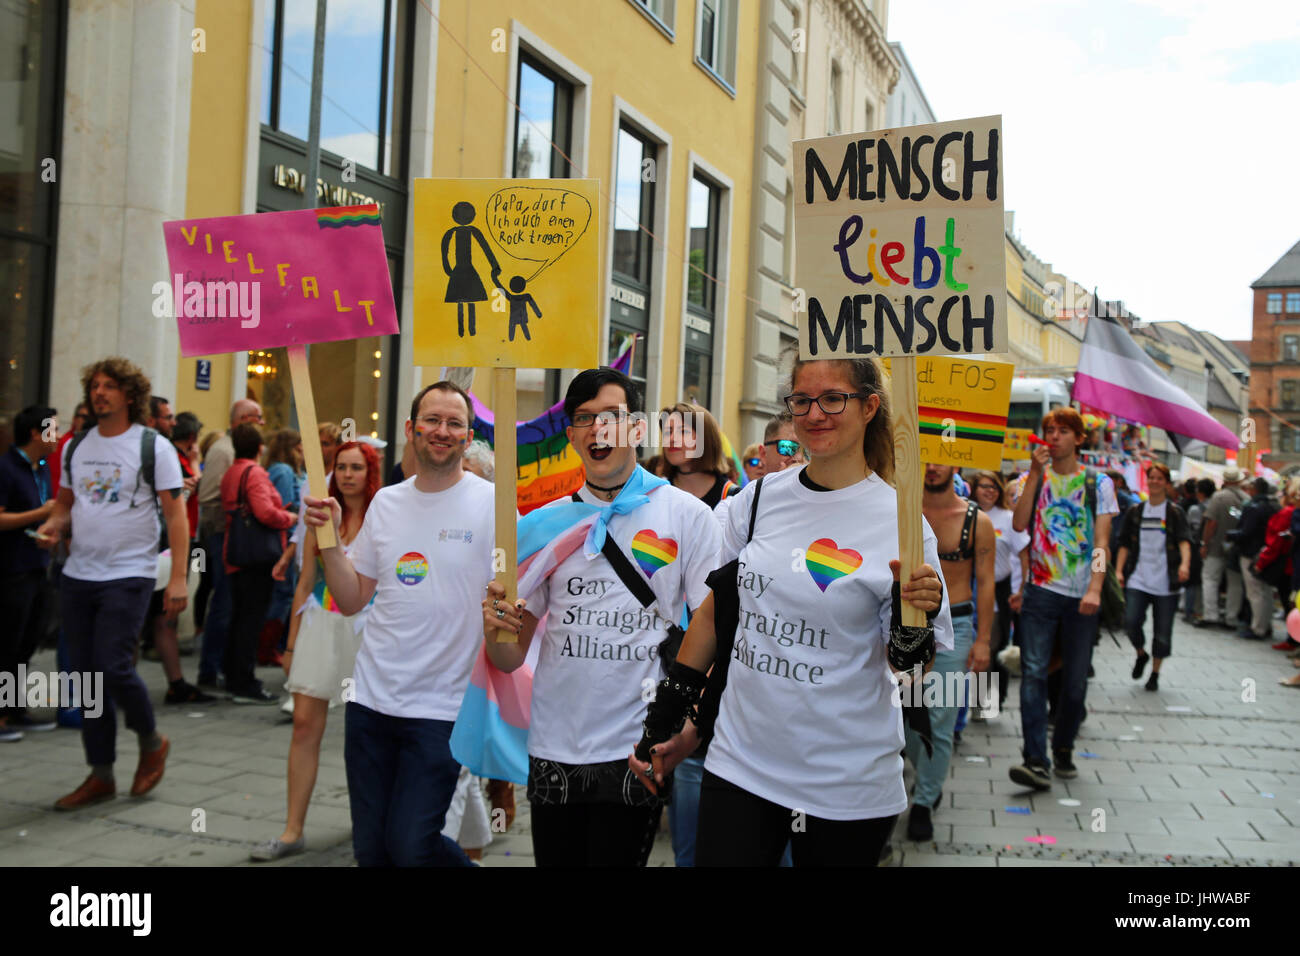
(464, 287)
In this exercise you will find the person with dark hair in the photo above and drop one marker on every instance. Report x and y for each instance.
(1222, 513)
(1009, 566)
(1152, 563)
(107, 488)
(1250, 536)
(160, 417)
(1201, 489)
(26, 501)
(322, 650)
(808, 727)
(424, 554)
(1067, 510)
(615, 566)
(81, 420)
(246, 485)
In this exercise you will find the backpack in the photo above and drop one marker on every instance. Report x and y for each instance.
(1111, 612)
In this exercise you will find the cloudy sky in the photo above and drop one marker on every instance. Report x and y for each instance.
(1152, 147)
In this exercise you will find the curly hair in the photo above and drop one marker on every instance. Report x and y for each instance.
(128, 376)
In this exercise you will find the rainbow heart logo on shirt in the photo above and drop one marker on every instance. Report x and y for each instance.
(653, 552)
(412, 568)
(827, 563)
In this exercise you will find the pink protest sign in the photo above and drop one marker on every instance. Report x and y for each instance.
(279, 278)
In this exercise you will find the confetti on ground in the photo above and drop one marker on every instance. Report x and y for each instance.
(1068, 802)
(1179, 710)
(1127, 737)
(1044, 840)
(1267, 795)
(1138, 729)
(195, 713)
(1088, 754)
(1023, 810)
(974, 759)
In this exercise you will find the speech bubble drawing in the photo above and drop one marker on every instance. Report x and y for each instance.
(536, 223)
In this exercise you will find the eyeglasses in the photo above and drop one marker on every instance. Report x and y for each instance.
(753, 462)
(784, 446)
(986, 487)
(454, 425)
(832, 403)
(611, 417)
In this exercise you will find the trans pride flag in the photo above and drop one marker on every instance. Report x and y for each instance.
(548, 466)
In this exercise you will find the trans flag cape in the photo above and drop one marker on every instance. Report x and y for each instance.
(548, 466)
(491, 732)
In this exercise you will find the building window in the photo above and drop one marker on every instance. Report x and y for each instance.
(870, 117)
(1289, 394)
(702, 290)
(715, 47)
(833, 102)
(634, 205)
(663, 12)
(543, 122)
(1285, 439)
(1293, 303)
(361, 109)
(697, 377)
(1290, 348)
(1274, 303)
(798, 43)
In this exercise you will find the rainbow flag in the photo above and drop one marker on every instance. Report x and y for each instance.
(970, 426)
(548, 467)
(341, 216)
(730, 451)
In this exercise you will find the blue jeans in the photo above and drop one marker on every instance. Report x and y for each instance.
(684, 810)
(1135, 615)
(1044, 616)
(932, 770)
(216, 626)
(401, 778)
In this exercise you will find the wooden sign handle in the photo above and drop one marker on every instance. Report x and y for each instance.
(908, 478)
(325, 537)
(507, 503)
(1248, 466)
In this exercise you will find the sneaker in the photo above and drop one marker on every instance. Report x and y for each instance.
(212, 683)
(92, 790)
(184, 693)
(919, 827)
(28, 722)
(10, 735)
(1141, 664)
(1064, 767)
(1153, 682)
(1031, 774)
(886, 855)
(276, 850)
(259, 695)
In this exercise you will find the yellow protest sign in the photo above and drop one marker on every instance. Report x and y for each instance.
(899, 239)
(1017, 446)
(962, 410)
(506, 273)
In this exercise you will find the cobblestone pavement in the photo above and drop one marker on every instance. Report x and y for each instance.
(1192, 774)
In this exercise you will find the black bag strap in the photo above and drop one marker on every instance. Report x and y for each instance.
(241, 496)
(633, 581)
(753, 509)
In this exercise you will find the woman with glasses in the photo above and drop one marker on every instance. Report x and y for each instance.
(1010, 568)
(807, 741)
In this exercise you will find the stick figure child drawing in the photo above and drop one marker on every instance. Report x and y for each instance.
(520, 303)
(464, 287)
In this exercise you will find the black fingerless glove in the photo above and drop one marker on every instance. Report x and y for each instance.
(909, 646)
(676, 698)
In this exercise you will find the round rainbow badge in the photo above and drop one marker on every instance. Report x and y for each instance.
(827, 563)
(653, 552)
(412, 568)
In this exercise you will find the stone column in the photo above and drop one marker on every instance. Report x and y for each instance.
(125, 150)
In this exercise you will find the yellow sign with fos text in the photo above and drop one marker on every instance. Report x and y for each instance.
(506, 273)
(962, 410)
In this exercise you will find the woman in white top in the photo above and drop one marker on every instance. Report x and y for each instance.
(1009, 558)
(323, 643)
(808, 734)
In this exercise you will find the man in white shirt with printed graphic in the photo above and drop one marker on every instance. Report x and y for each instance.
(424, 553)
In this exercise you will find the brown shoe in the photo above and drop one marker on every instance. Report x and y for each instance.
(150, 770)
(501, 794)
(92, 790)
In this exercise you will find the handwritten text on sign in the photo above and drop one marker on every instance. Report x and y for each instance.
(899, 241)
(962, 410)
(507, 273)
(278, 278)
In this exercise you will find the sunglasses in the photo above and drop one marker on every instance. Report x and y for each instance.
(784, 446)
(753, 462)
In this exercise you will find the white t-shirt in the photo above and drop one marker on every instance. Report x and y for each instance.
(1010, 542)
(807, 719)
(115, 528)
(1152, 571)
(430, 554)
(600, 652)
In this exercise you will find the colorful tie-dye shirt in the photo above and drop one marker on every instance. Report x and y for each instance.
(1060, 555)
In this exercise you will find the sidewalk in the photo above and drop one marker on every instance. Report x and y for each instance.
(1189, 775)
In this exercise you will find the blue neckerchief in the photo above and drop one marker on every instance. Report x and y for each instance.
(42, 477)
(537, 528)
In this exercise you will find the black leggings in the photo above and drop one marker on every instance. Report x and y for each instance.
(593, 834)
(739, 829)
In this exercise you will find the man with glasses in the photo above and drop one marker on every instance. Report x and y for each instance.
(212, 532)
(780, 447)
(424, 554)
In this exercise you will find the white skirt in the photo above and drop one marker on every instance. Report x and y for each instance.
(325, 654)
